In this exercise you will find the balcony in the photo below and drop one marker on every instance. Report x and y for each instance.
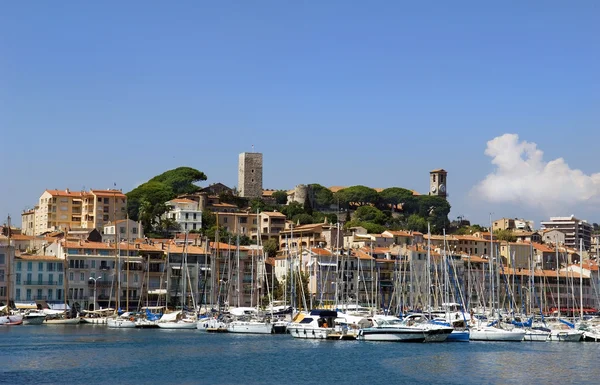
(100, 283)
(40, 283)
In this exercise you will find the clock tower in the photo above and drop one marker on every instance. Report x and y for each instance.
(437, 183)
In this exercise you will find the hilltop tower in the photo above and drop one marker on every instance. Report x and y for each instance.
(250, 174)
(437, 183)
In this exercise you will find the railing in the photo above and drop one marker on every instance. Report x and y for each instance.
(39, 283)
(104, 267)
(99, 283)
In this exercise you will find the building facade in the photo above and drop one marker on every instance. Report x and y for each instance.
(66, 209)
(186, 213)
(39, 278)
(574, 229)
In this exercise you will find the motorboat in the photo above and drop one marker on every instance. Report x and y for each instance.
(318, 324)
(392, 329)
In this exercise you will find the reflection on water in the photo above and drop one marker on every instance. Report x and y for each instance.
(66, 354)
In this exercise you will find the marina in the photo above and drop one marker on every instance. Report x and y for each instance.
(66, 354)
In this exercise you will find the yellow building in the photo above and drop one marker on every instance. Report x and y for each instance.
(65, 209)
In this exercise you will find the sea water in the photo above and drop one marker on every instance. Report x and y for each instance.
(88, 354)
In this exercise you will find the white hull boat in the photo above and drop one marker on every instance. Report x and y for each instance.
(250, 327)
(211, 325)
(16, 319)
(318, 325)
(533, 335)
(177, 325)
(393, 334)
(491, 333)
(94, 320)
(62, 321)
(120, 323)
(565, 335)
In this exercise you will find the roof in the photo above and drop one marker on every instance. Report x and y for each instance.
(66, 193)
(440, 170)
(29, 257)
(183, 200)
(320, 252)
(361, 255)
(222, 205)
(543, 248)
(398, 233)
(273, 214)
(109, 193)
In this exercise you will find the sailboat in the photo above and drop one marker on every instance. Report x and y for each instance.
(252, 325)
(178, 319)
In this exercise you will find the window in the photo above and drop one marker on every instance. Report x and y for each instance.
(28, 278)
(71, 276)
(50, 294)
(29, 266)
(28, 298)
(18, 294)
(105, 218)
(105, 201)
(434, 178)
(60, 280)
(194, 226)
(194, 216)
(2, 259)
(50, 266)
(105, 209)
(18, 266)
(82, 276)
(122, 230)
(134, 230)
(50, 279)
(135, 278)
(40, 278)
(59, 294)
(2, 275)
(18, 278)
(41, 266)
(39, 293)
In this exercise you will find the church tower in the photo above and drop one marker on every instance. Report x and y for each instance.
(437, 183)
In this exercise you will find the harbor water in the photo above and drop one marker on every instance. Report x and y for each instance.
(98, 355)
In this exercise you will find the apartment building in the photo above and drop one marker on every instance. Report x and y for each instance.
(186, 213)
(39, 278)
(574, 229)
(512, 224)
(66, 209)
(126, 230)
(6, 253)
(267, 224)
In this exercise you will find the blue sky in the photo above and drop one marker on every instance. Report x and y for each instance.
(332, 92)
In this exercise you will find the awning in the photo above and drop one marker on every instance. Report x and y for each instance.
(23, 305)
(157, 292)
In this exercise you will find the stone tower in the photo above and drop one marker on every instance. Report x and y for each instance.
(250, 174)
(437, 183)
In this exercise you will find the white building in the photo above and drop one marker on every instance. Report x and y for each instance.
(127, 230)
(186, 213)
(574, 229)
(38, 278)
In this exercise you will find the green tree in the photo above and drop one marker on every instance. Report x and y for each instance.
(417, 223)
(319, 217)
(147, 201)
(303, 219)
(372, 228)
(435, 210)
(370, 214)
(280, 197)
(294, 208)
(400, 196)
(505, 235)
(270, 248)
(308, 206)
(358, 195)
(323, 195)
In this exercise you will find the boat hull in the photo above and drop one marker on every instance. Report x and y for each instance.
(591, 336)
(120, 324)
(67, 321)
(177, 325)
(34, 320)
(250, 327)
(392, 335)
(495, 334)
(458, 336)
(94, 321)
(536, 336)
(311, 333)
(565, 336)
(16, 319)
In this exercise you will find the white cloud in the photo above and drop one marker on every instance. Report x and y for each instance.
(522, 176)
